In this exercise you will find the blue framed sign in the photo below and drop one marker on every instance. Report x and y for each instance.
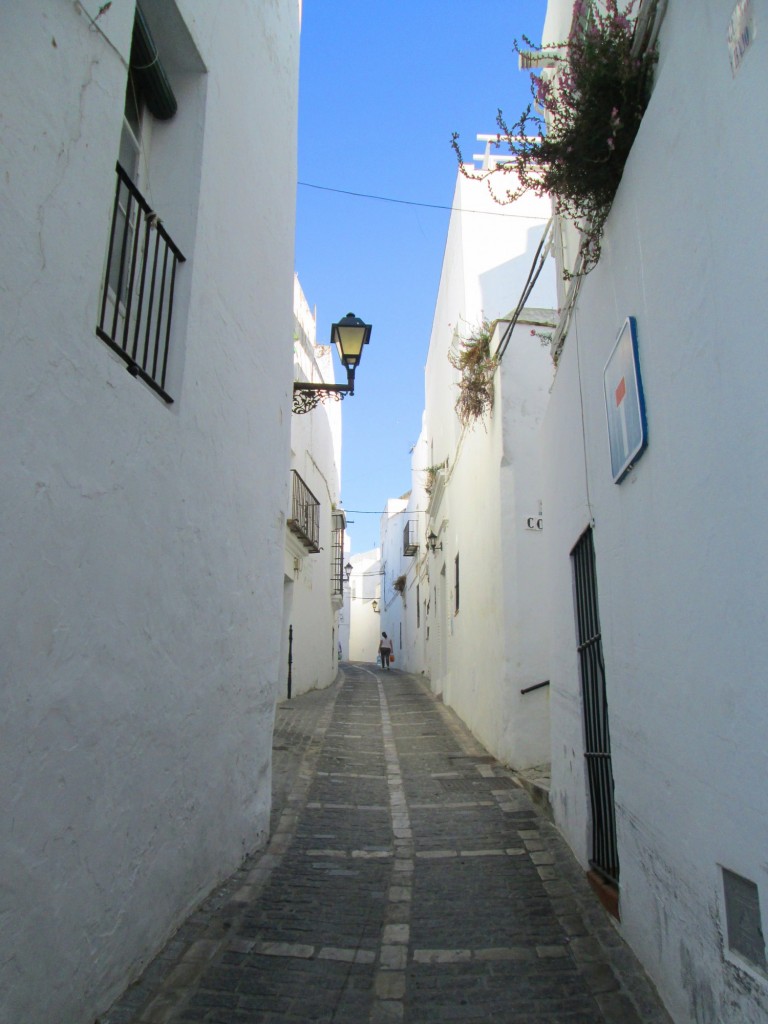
(624, 403)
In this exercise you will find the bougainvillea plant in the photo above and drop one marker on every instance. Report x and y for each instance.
(591, 102)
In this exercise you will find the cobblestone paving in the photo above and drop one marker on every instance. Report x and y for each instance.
(408, 879)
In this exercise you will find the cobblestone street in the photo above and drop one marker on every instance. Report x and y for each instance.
(409, 878)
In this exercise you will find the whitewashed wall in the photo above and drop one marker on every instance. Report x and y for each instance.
(406, 616)
(316, 456)
(365, 588)
(141, 544)
(488, 478)
(415, 567)
(345, 618)
(392, 603)
(524, 384)
(680, 547)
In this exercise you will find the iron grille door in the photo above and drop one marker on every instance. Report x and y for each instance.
(597, 741)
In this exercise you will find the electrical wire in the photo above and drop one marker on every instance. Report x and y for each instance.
(540, 256)
(409, 202)
(370, 512)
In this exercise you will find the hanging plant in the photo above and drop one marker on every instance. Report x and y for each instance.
(399, 585)
(477, 367)
(592, 106)
(431, 477)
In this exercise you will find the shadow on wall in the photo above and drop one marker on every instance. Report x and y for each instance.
(501, 287)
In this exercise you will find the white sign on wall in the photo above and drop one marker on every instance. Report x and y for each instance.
(624, 403)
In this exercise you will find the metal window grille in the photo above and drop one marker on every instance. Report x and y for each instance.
(305, 514)
(605, 856)
(411, 537)
(337, 554)
(139, 283)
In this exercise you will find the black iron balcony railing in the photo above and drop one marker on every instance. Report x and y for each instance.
(137, 301)
(411, 537)
(305, 514)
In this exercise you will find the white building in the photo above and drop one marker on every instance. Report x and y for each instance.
(143, 516)
(394, 596)
(680, 558)
(645, 603)
(408, 560)
(315, 524)
(469, 540)
(365, 591)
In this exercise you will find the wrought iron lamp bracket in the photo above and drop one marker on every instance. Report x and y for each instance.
(307, 397)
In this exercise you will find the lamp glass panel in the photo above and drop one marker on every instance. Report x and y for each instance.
(349, 343)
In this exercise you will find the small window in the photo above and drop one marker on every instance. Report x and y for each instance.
(136, 309)
(742, 913)
(418, 608)
(456, 584)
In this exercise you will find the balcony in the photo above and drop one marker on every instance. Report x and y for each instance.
(137, 301)
(411, 537)
(305, 515)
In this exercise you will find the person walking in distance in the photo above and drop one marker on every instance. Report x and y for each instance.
(385, 650)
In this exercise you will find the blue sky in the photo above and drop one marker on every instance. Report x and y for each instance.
(383, 84)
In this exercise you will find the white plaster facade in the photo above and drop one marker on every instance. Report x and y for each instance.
(407, 554)
(681, 557)
(681, 561)
(141, 543)
(313, 580)
(365, 589)
(392, 601)
(470, 619)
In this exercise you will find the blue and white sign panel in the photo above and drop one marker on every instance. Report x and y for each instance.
(624, 404)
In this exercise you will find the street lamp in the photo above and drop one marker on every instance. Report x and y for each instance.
(432, 542)
(348, 335)
(348, 570)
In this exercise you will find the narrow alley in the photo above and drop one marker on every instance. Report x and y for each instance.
(408, 879)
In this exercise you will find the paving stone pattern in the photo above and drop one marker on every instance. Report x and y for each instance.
(409, 879)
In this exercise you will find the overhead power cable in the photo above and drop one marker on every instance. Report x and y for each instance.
(539, 259)
(409, 202)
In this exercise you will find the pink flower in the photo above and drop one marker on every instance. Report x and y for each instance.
(542, 90)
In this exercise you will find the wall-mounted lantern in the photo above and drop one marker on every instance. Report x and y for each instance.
(432, 542)
(375, 605)
(348, 571)
(349, 336)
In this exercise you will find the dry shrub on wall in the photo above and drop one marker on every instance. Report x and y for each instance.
(477, 367)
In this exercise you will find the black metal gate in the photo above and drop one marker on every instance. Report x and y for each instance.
(597, 740)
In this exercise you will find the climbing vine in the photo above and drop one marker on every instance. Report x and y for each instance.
(590, 106)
